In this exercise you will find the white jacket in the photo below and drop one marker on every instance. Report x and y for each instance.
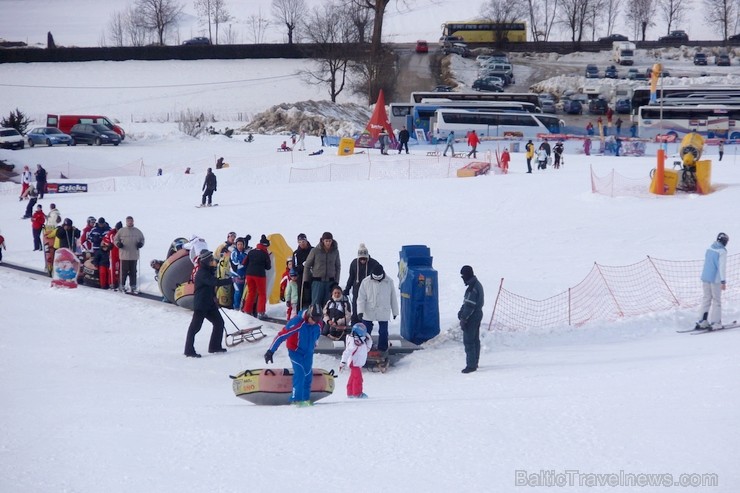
(356, 351)
(377, 300)
(195, 245)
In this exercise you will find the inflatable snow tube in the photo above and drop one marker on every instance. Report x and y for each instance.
(267, 387)
(174, 271)
(184, 295)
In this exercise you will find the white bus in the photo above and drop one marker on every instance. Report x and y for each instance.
(494, 124)
(709, 120)
(420, 115)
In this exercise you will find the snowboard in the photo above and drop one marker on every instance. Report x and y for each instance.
(732, 325)
(205, 206)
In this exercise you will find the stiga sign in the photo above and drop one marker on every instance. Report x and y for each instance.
(66, 187)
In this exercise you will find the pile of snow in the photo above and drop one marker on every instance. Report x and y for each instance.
(338, 119)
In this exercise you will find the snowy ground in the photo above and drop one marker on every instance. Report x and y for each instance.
(98, 397)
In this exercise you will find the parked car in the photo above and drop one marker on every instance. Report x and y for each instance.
(674, 37)
(497, 73)
(700, 59)
(481, 59)
(197, 41)
(592, 71)
(598, 106)
(623, 106)
(93, 133)
(649, 73)
(48, 136)
(450, 39)
(734, 37)
(458, 49)
(422, 46)
(442, 89)
(631, 73)
(548, 106)
(493, 84)
(722, 60)
(10, 138)
(572, 107)
(613, 37)
(611, 72)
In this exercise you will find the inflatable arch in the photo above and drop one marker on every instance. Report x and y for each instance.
(267, 387)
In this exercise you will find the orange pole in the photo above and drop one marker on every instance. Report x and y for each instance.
(660, 172)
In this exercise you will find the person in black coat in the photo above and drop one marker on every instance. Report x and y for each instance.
(40, 180)
(403, 140)
(470, 316)
(359, 269)
(209, 186)
(299, 257)
(205, 307)
(67, 234)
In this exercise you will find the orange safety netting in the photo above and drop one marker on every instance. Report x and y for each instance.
(609, 293)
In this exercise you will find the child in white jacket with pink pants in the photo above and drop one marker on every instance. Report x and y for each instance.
(355, 355)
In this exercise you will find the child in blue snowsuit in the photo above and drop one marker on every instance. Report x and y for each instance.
(301, 333)
(238, 271)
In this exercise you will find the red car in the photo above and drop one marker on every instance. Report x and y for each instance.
(422, 46)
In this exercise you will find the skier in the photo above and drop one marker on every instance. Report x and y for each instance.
(470, 316)
(301, 333)
(205, 307)
(558, 150)
(355, 355)
(209, 186)
(714, 282)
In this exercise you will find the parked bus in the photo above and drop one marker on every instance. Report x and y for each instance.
(494, 124)
(722, 121)
(419, 115)
(641, 95)
(486, 31)
(523, 97)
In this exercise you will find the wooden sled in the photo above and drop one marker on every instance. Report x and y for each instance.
(460, 155)
(433, 153)
(248, 334)
(267, 387)
(378, 361)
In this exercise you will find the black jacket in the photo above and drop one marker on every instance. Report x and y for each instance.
(356, 277)
(67, 237)
(299, 257)
(471, 311)
(204, 298)
(403, 136)
(257, 262)
(210, 181)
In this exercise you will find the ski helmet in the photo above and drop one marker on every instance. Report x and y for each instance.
(723, 238)
(359, 330)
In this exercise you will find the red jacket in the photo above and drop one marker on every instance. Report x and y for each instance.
(473, 139)
(38, 219)
(505, 158)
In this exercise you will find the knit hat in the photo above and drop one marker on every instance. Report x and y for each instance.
(119, 225)
(68, 222)
(101, 220)
(302, 236)
(327, 236)
(205, 256)
(378, 273)
(362, 251)
(264, 241)
(466, 273)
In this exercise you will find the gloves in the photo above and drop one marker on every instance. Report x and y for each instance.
(139, 244)
(268, 356)
(342, 366)
(119, 244)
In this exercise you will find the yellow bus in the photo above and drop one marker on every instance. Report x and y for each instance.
(486, 31)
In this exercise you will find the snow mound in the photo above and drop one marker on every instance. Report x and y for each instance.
(339, 119)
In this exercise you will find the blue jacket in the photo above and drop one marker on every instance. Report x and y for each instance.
(301, 335)
(450, 138)
(715, 261)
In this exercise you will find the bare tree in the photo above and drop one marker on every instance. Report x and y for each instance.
(641, 14)
(722, 14)
(362, 20)
(673, 11)
(116, 28)
(574, 15)
(256, 26)
(204, 11)
(612, 11)
(330, 27)
(542, 15)
(503, 13)
(158, 15)
(221, 14)
(288, 13)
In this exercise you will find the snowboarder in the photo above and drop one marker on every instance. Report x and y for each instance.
(301, 333)
(470, 316)
(205, 307)
(209, 186)
(713, 281)
(355, 355)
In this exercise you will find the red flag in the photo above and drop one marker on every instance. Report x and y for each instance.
(377, 122)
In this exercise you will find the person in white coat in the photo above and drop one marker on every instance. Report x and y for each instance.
(377, 301)
(195, 246)
(355, 356)
(302, 140)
